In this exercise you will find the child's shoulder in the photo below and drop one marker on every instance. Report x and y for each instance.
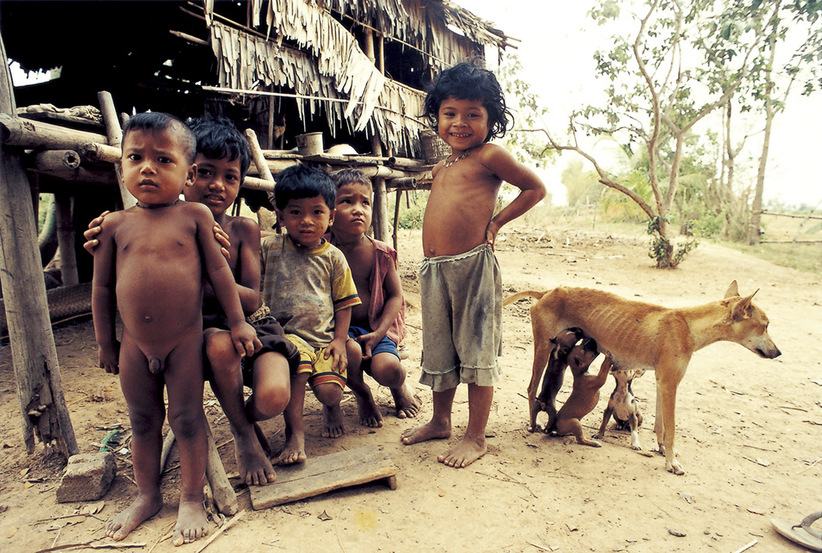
(242, 227)
(195, 209)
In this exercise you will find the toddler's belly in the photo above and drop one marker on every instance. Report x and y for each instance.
(156, 305)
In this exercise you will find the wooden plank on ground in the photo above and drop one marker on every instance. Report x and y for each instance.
(321, 475)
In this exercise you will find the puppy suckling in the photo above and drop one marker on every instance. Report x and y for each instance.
(623, 406)
(584, 394)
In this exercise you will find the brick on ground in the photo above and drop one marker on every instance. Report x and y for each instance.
(87, 477)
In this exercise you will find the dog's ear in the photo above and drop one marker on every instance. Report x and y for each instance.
(733, 290)
(742, 309)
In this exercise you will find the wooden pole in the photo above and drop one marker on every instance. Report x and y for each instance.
(34, 354)
(115, 138)
(396, 217)
(266, 219)
(379, 223)
(224, 496)
(65, 240)
(38, 134)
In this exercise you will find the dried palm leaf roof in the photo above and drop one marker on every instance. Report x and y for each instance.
(327, 66)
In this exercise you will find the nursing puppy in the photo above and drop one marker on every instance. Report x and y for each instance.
(585, 393)
(623, 406)
(564, 342)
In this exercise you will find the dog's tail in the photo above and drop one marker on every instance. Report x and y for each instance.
(521, 296)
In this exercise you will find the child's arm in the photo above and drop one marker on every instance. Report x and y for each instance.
(342, 320)
(222, 282)
(393, 304)
(505, 166)
(104, 302)
(247, 272)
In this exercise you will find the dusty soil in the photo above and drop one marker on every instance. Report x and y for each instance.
(747, 435)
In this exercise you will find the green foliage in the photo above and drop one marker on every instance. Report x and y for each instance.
(662, 249)
(412, 209)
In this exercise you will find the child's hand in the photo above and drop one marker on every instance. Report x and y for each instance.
(491, 233)
(94, 228)
(245, 339)
(222, 237)
(368, 342)
(336, 349)
(108, 357)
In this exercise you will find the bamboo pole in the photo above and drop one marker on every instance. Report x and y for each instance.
(65, 240)
(29, 133)
(396, 217)
(34, 354)
(266, 219)
(114, 136)
(94, 151)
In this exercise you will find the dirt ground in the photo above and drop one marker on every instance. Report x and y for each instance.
(748, 435)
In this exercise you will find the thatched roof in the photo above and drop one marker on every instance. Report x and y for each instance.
(307, 49)
(309, 53)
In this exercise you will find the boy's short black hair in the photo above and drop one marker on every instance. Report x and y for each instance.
(470, 81)
(347, 176)
(218, 138)
(156, 121)
(303, 181)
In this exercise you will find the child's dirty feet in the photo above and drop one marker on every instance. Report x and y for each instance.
(293, 451)
(127, 520)
(463, 454)
(429, 431)
(252, 461)
(407, 404)
(370, 415)
(333, 426)
(192, 523)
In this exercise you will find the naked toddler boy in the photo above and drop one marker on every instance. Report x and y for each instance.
(149, 266)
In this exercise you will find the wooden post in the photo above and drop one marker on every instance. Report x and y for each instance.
(65, 240)
(224, 496)
(115, 138)
(396, 218)
(36, 368)
(379, 222)
(266, 219)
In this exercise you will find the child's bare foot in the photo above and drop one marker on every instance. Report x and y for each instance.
(127, 520)
(407, 404)
(252, 461)
(429, 431)
(293, 452)
(333, 426)
(463, 454)
(370, 415)
(192, 523)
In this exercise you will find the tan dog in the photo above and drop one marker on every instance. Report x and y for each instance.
(646, 336)
(585, 393)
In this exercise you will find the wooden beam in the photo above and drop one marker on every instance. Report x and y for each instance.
(114, 135)
(34, 354)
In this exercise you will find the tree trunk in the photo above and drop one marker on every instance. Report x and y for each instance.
(39, 386)
(756, 207)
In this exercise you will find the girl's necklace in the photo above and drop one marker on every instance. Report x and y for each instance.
(446, 164)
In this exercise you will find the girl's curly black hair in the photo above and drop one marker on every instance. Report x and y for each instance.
(468, 80)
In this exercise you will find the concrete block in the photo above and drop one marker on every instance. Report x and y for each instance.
(87, 478)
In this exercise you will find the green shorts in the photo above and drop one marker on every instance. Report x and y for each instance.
(461, 319)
